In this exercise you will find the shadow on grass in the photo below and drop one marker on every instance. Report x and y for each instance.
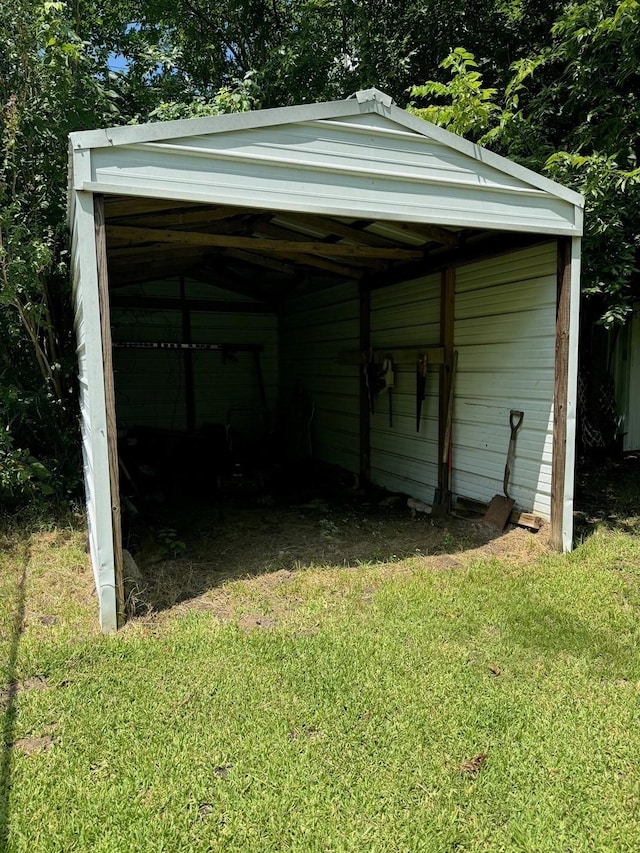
(8, 703)
(560, 631)
(608, 494)
(214, 545)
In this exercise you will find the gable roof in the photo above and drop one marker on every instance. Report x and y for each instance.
(356, 141)
(361, 103)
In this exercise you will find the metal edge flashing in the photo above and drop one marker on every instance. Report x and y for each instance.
(370, 100)
(231, 199)
(572, 391)
(156, 131)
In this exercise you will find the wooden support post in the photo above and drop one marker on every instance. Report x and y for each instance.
(560, 390)
(189, 388)
(110, 401)
(447, 306)
(365, 419)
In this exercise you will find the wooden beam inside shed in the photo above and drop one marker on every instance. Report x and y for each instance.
(110, 402)
(356, 234)
(431, 232)
(255, 244)
(560, 391)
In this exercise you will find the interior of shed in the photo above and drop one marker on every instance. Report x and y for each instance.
(259, 352)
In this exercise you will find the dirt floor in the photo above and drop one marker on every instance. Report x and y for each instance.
(185, 563)
(193, 549)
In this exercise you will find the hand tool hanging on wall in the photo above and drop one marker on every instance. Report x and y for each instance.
(389, 376)
(500, 507)
(421, 386)
(374, 377)
(368, 368)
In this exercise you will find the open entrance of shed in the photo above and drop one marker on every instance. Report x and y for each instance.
(248, 344)
(265, 355)
(298, 280)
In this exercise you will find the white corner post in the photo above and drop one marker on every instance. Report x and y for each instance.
(572, 396)
(93, 411)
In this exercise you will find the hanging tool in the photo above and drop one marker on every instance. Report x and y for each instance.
(389, 376)
(421, 386)
(500, 507)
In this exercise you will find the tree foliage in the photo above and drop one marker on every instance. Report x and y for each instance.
(301, 50)
(48, 87)
(571, 110)
(555, 87)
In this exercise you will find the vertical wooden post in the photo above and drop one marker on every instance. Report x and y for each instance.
(365, 420)
(560, 390)
(189, 389)
(447, 307)
(110, 400)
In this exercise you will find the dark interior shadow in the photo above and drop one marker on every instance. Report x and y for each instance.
(8, 707)
(193, 547)
(607, 494)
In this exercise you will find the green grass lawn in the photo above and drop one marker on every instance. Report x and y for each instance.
(491, 705)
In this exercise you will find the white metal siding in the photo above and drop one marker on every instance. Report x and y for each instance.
(374, 169)
(403, 459)
(92, 408)
(314, 330)
(150, 384)
(505, 336)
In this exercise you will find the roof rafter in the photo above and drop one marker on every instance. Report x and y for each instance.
(198, 238)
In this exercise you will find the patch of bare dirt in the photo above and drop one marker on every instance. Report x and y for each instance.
(268, 546)
(34, 745)
(38, 682)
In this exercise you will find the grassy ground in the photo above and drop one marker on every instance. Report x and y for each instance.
(478, 702)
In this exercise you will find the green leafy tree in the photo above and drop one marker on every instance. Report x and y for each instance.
(572, 110)
(301, 50)
(471, 109)
(48, 87)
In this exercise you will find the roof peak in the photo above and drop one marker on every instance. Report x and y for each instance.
(373, 94)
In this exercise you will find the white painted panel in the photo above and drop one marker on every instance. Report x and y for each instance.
(572, 394)
(92, 408)
(403, 458)
(505, 337)
(314, 329)
(339, 167)
(356, 148)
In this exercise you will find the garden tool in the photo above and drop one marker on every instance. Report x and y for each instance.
(500, 507)
(389, 376)
(421, 386)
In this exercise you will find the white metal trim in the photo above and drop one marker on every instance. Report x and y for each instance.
(157, 131)
(231, 198)
(87, 286)
(572, 394)
(160, 131)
